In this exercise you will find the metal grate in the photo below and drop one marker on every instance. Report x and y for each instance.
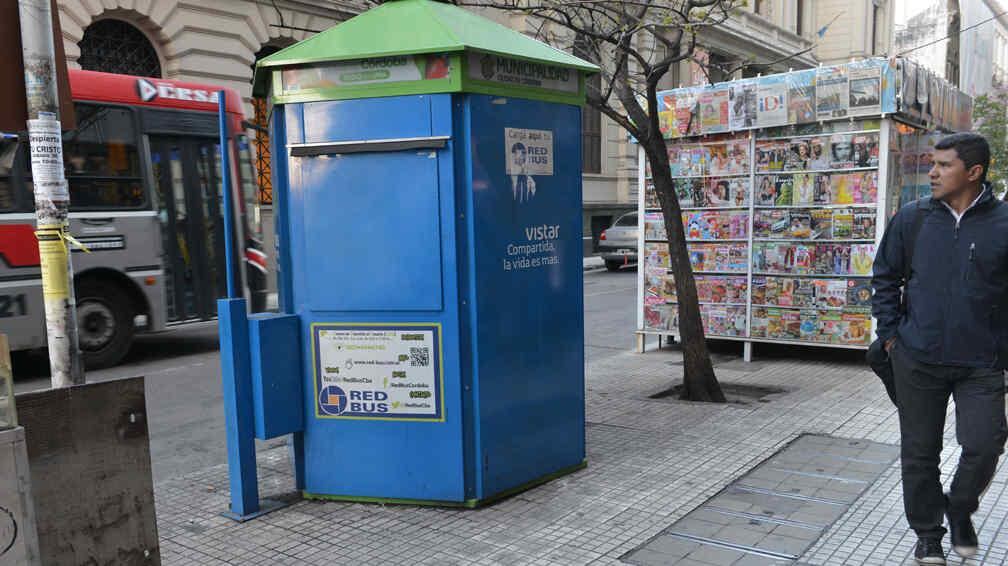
(264, 179)
(114, 46)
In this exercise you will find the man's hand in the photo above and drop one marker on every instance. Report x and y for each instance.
(889, 344)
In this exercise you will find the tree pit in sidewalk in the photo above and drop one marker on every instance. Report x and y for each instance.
(735, 393)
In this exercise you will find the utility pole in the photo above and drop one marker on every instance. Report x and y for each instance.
(52, 197)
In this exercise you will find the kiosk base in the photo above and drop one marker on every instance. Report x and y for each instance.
(467, 504)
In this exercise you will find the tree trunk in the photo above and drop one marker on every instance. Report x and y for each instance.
(699, 381)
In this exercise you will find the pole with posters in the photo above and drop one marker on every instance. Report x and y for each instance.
(52, 198)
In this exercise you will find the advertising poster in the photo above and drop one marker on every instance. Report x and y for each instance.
(714, 110)
(378, 371)
(771, 102)
(666, 114)
(865, 88)
(801, 97)
(742, 106)
(393, 69)
(832, 92)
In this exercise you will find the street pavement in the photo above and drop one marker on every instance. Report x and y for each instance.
(651, 464)
(183, 387)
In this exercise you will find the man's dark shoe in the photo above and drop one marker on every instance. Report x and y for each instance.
(964, 537)
(929, 551)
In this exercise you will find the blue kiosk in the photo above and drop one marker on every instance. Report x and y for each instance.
(427, 193)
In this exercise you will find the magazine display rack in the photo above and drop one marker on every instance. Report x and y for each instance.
(785, 183)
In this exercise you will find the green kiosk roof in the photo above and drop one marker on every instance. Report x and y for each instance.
(420, 46)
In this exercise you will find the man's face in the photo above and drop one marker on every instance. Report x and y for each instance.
(949, 175)
(518, 157)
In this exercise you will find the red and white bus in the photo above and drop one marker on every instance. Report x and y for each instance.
(143, 167)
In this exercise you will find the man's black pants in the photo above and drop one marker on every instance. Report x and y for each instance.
(922, 391)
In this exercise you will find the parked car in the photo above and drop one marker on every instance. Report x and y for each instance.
(618, 243)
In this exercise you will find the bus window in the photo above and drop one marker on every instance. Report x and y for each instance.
(101, 160)
(8, 152)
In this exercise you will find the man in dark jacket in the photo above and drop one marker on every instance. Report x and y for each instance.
(946, 331)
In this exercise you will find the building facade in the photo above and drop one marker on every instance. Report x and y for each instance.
(975, 46)
(219, 42)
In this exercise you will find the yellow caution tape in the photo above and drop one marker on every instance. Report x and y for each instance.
(80, 245)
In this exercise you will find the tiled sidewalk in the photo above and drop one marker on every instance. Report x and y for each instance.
(650, 463)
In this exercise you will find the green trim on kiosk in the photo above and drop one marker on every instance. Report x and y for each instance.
(467, 504)
(407, 47)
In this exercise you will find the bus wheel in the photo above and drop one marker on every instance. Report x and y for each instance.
(104, 323)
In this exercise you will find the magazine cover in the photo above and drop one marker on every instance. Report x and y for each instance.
(798, 156)
(868, 187)
(759, 290)
(738, 228)
(831, 327)
(819, 155)
(804, 293)
(775, 323)
(842, 259)
(758, 328)
(651, 196)
(684, 192)
(654, 226)
(714, 109)
(770, 223)
(738, 257)
(687, 120)
(865, 88)
(666, 114)
(803, 263)
(771, 99)
(822, 224)
(862, 256)
(843, 224)
(785, 292)
(841, 189)
(742, 104)
(804, 188)
(738, 157)
(823, 189)
(718, 192)
(717, 158)
(824, 259)
(738, 188)
(864, 226)
(858, 328)
(785, 189)
(791, 323)
(770, 156)
(832, 92)
(841, 151)
(766, 193)
(836, 294)
(801, 97)
(809, 328)
(859, 293)
(656, 255)
(864, 150)
(801, 225)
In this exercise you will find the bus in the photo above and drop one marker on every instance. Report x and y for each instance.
(143, 167)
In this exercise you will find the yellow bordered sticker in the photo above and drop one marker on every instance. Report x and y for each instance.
(378, 371)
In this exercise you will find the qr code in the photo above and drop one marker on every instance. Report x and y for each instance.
(419, 357)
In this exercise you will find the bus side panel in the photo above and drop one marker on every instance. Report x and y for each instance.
(126, 251)
(22, 314)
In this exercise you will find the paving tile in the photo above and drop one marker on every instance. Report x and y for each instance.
(651, 463)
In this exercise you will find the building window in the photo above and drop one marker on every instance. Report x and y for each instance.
(114, 46)
(591, 119)
(799, 17)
